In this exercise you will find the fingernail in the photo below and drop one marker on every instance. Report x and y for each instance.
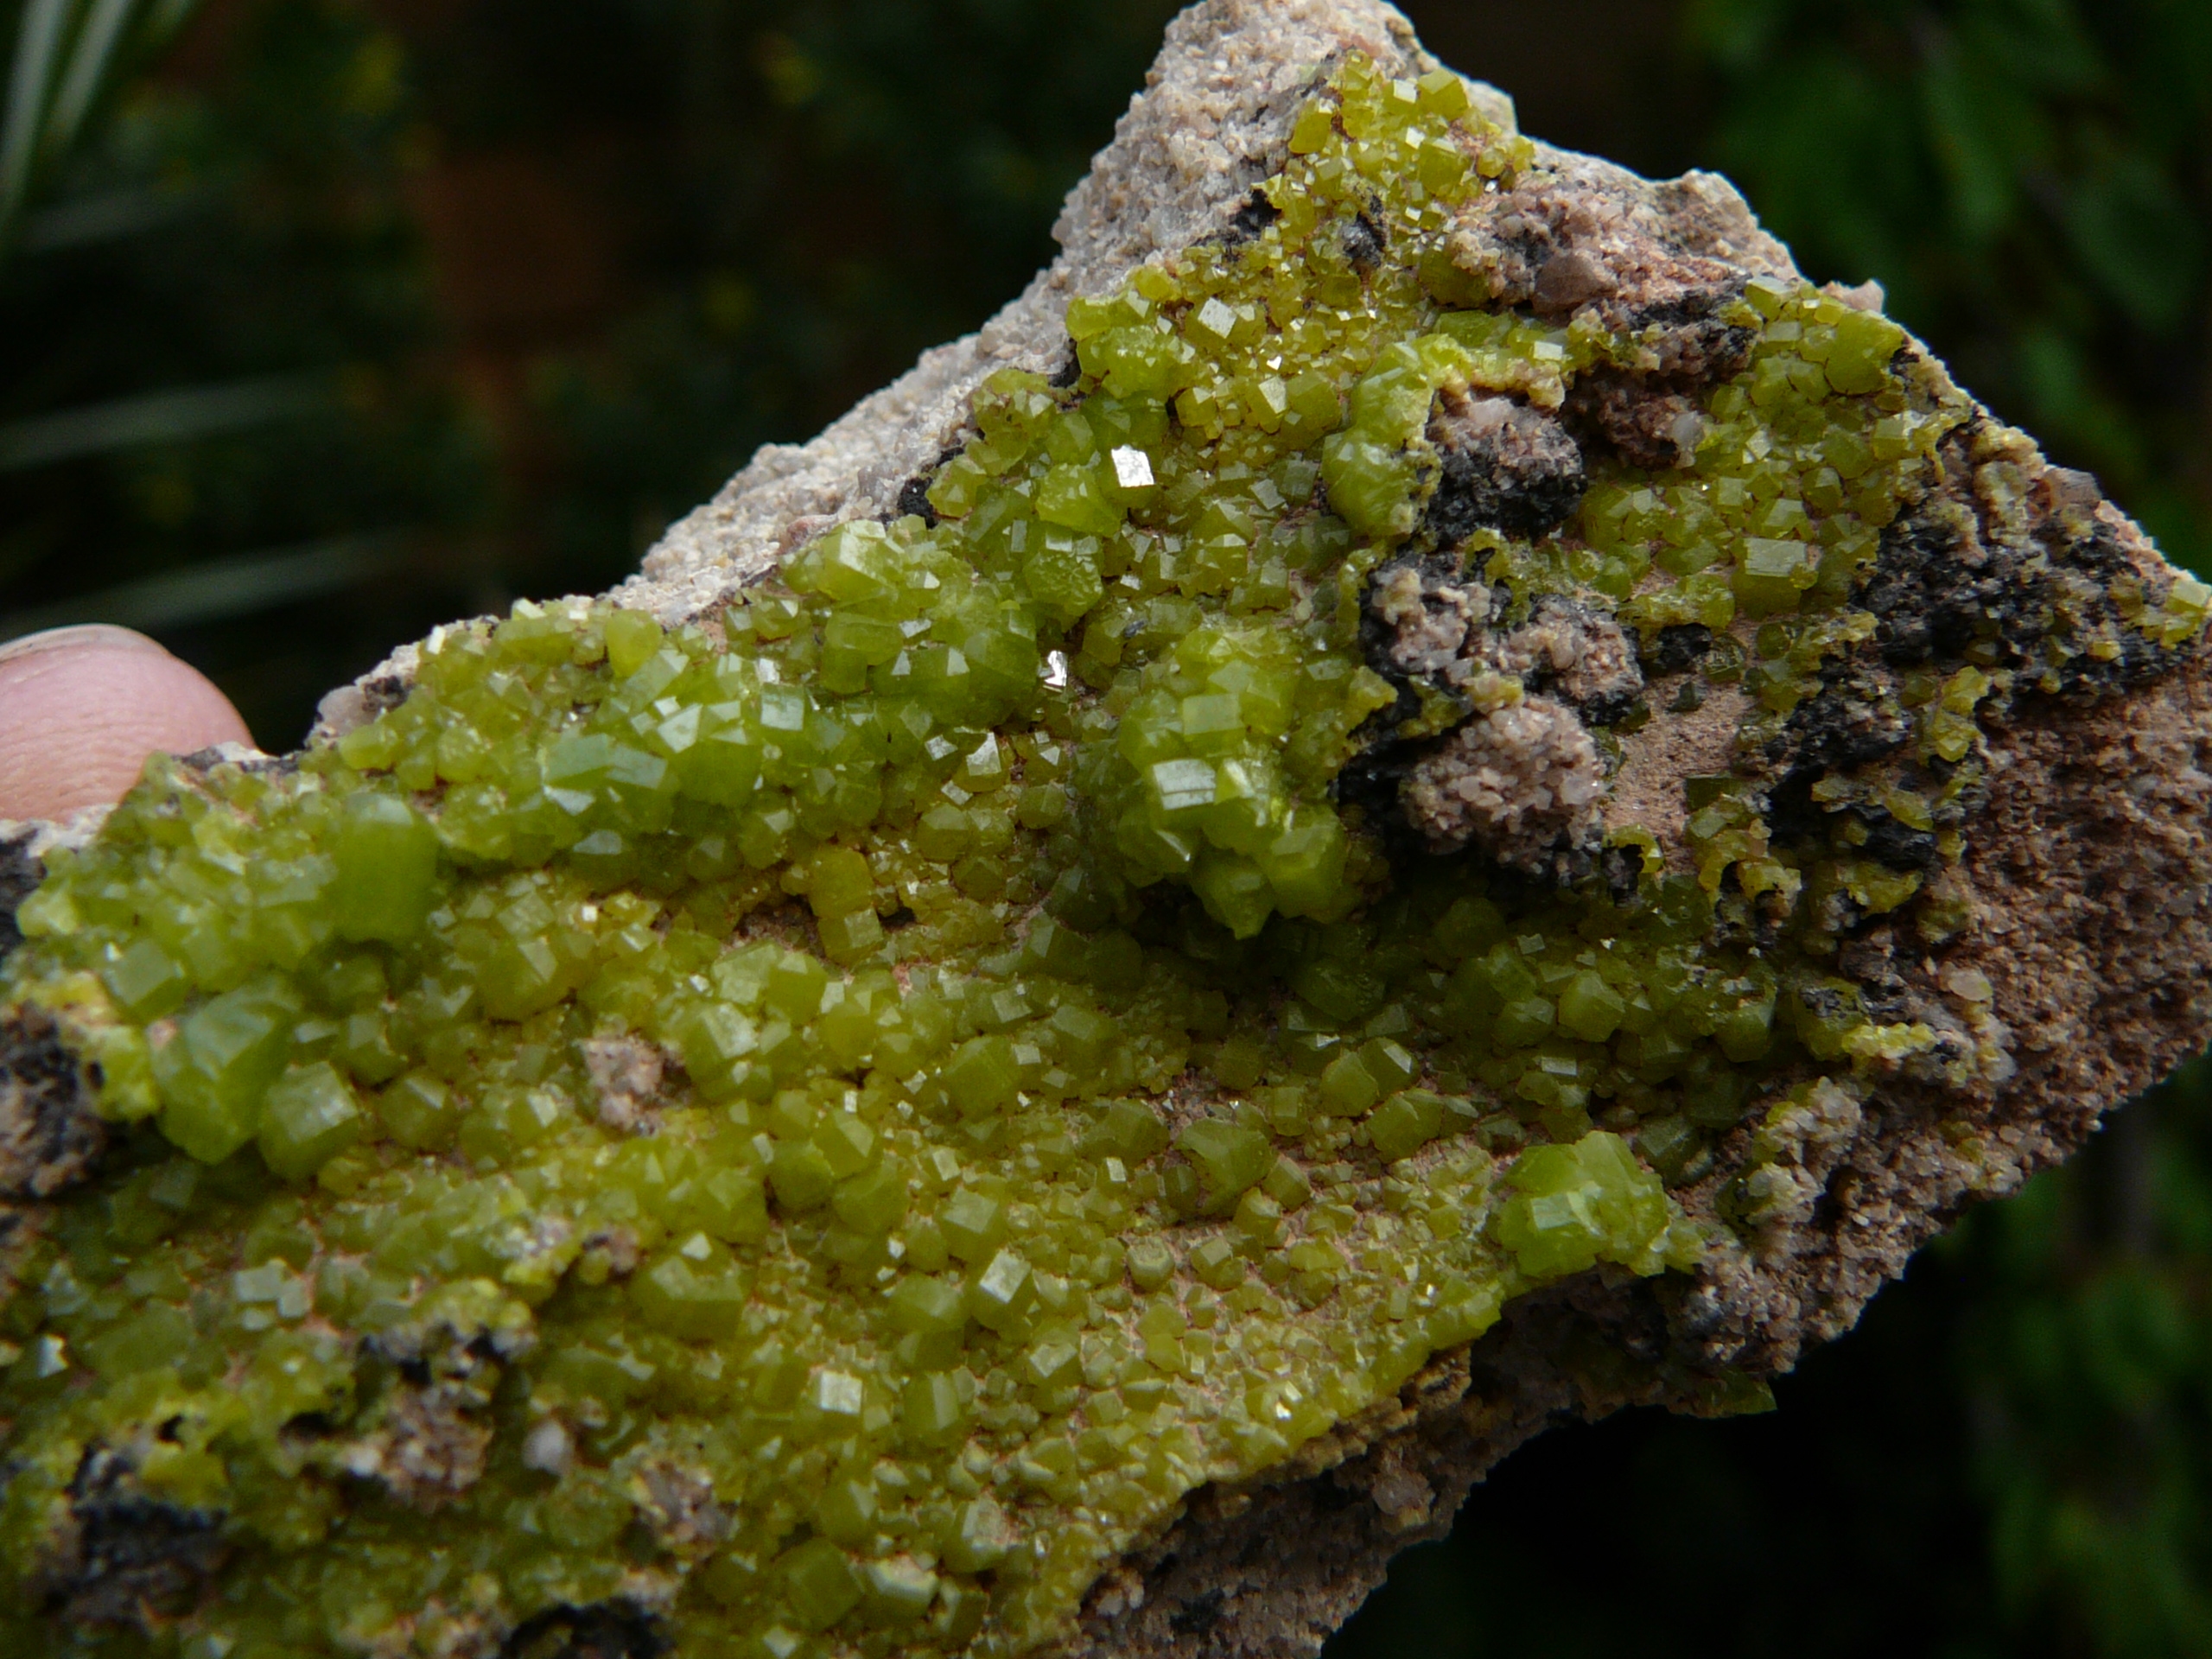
(83, 634)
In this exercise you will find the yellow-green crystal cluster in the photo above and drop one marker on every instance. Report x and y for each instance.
(854, 1106)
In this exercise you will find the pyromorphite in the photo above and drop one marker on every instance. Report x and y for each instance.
(813, 1128)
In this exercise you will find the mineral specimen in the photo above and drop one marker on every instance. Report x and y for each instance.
(1424, 792)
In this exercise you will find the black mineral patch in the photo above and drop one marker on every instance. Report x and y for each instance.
(1364, 242)
(914, 494)
(1611, 709)
(1377, 638)
(1933, 596)
(129, 1560)
(1621, 869)
(1372, 782)
(1946, 588)
(1691, 347)
(1794, 818)
(1252, 216)
(1853, 719)
(386, 692)
(1647, 414)
(1678, 647)
(50, 1135)
(914, 500)
(1198, 1615)
(610, 1629)
(1504, 466)
(1899, 845)
(20, 875)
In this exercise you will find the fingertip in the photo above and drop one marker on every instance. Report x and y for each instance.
(82, 709)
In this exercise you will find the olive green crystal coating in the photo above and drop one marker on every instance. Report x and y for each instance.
(822, 1125)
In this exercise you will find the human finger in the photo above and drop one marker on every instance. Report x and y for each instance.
(82, 709)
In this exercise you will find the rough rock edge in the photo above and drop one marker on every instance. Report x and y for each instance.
(1211, 123)
(2091, 873)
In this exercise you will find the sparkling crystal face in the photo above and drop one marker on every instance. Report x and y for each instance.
(813, 1131)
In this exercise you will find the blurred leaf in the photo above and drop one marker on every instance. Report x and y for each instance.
(66, 59)
(1983, 132)
(71, 223)
(91, 61)
(1737, 34)
(2064, 402)
(246, 586)
(172, 416)
(42, 37)
(2137, 237)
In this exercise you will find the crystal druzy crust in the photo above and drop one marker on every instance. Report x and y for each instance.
(1452, 798)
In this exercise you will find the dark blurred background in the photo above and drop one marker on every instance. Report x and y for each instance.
(324, 320)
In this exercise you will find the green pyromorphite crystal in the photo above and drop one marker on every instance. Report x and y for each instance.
(824, 1123)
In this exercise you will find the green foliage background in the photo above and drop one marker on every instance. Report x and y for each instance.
(347, 316)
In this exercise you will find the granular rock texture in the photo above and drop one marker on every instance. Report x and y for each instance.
(1504, 465)
(1422, 795)
(49, 1133)
(1518, 782)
